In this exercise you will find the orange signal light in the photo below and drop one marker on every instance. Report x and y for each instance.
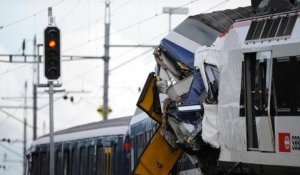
(51, 43)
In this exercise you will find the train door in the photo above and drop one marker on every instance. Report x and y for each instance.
(43, 161)
(256, 90)
(66, 159)
(91, 158)
(100, 157)
(108, 160)
(83, 160)
(58, 160)
(75, 159)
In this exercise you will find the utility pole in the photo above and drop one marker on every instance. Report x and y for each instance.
(34, 111)
(52, 72)
(25, 131)
(173, 10)
(34, 92)
(106, 59)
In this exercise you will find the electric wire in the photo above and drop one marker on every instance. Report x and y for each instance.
(119, 56)
(138, 23)
(93, 22)
(130, 60)
(13, 69)
(125, 28)
(134, 48)
(70, 11)
(30, 16)
(82, 74)
(15, 118)
(11, 150)
(221, 3)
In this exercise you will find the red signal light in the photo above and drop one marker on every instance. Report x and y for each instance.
(52, 43)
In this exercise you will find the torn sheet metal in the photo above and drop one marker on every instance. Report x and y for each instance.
(158, 158)
(210, 132)
(196, 90)
(149, 99)
(180, 88)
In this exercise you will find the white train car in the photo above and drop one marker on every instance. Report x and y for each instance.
(234, 102)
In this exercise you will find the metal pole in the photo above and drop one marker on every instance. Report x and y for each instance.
(35, 92)
(52, 155)
(34, 89)
(25, 131)
(38, 63)
(106, 59)
(34, 111)
(172, 10)
(170, 20)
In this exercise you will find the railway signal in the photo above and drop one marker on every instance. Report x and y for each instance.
(52, 52)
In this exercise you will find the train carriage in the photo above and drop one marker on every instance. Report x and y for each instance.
(91, 149)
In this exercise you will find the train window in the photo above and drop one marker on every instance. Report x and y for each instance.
(74, 161)
(83, 159)
(108, 161)
(100, 160)
(251, 30)
(35, 163)
(148, 136)
(140, 144)
(91, 160)
(274, 28)
(255, 79)
(212, 74)
(282, 27)
(66, 162)
(258, 30)
(267, 28)
(298, 84)
(115, 159)
(286, 85)
(43, 165)
(290, 25)
(58, 162)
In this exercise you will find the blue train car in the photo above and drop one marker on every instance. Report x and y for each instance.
(91, 149)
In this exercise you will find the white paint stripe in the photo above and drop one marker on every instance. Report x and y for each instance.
(139, 117)
(182, 41)
(84, 134)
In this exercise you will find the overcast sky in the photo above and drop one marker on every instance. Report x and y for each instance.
(82, 30)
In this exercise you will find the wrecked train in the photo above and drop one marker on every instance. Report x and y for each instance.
(226, 93)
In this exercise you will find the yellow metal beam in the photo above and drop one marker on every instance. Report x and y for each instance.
(149, 100)
(158, 158)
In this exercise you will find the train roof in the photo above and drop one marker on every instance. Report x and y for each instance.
(118, 126)
(200, 30)
(124, 121)
(138, 116)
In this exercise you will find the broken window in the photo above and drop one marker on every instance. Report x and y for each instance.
(212, 74)
(286, 85)
(258, 72)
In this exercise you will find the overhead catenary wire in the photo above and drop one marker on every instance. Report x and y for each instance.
(140, 22)
(90, 23)
(95, 21)
(13, 69)
(126, 27)
(30, 16)
(130, 60)
(11, 150)
(119, 56)
(15, 118)
(134, 48)
(70, 11)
